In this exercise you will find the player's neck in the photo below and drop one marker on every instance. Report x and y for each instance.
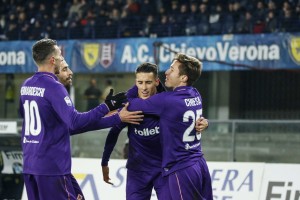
(179, 85)
(46, 68)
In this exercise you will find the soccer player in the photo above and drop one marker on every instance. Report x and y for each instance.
(49, 116)
(65, 75)
(145, 152)
(183, 165)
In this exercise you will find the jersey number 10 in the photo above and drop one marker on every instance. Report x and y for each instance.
(32, 118)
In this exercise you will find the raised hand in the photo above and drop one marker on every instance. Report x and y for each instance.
(134, 117)
(115, 101)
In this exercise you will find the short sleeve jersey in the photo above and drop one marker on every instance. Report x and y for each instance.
(178, 110)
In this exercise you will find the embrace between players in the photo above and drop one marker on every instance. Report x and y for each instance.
(163, 130)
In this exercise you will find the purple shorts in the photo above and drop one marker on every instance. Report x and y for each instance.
(52, 187)
(140, 184)
(192, 183)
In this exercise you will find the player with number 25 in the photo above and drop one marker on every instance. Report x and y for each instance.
(183, 165)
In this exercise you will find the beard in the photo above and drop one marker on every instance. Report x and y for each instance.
(68, 88)
(56, 70)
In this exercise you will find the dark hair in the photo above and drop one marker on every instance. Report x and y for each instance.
(190, 66)
(147, 68)
(42, 49)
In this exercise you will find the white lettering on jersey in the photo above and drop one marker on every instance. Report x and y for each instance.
(192, 102)
(32, 91)
(147, 131)
(30, 141)
(187, 146)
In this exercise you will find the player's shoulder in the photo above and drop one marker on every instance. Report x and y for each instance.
(162, 96)
(50, 81)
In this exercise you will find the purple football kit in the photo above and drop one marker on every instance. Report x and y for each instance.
(49, 119)
(144, 157)
(183, 165)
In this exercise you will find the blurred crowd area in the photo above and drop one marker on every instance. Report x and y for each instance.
(90, 19)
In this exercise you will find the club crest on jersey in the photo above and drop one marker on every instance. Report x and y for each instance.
(107, 54)
(68, 101)
(90, 54)
(294, 49)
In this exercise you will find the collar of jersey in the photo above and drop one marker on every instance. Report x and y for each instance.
(180, 88)
(47, 74)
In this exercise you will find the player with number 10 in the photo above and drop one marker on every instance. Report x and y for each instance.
(49, 119)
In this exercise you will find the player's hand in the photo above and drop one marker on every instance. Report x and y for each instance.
(201, 124)
(110, 113)
(134, 117)
(105, 173)
(115, 101)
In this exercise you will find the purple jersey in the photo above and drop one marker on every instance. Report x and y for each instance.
(145, 153)
(178, 111)
(49, 119)
(144, 144)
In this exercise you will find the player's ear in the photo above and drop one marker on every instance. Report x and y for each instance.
(184, 78)
(157, 82)
(52, 60)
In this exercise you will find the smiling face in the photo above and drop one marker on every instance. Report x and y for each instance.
(65, 74)
(146, 83)
(173, 77)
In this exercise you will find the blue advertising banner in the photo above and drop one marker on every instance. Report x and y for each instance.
(225, 52)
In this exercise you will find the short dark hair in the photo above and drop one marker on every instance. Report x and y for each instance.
(42, 49)
(190, 66)
(147, 68)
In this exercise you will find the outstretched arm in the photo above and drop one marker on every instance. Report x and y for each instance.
(102, 123)
(111, 120)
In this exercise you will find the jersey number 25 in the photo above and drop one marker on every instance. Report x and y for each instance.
(190, 114)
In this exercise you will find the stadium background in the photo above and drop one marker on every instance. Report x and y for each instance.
(254, 109)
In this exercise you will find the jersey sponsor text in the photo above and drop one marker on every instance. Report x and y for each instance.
(147, 131)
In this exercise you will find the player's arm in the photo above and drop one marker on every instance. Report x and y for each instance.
(120, 100)
(112, 120)
(104, 122)
(75, 120)
(153, 105)
(132, 92)
(110, 143)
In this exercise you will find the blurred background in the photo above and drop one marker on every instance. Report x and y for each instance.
(250, 83)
